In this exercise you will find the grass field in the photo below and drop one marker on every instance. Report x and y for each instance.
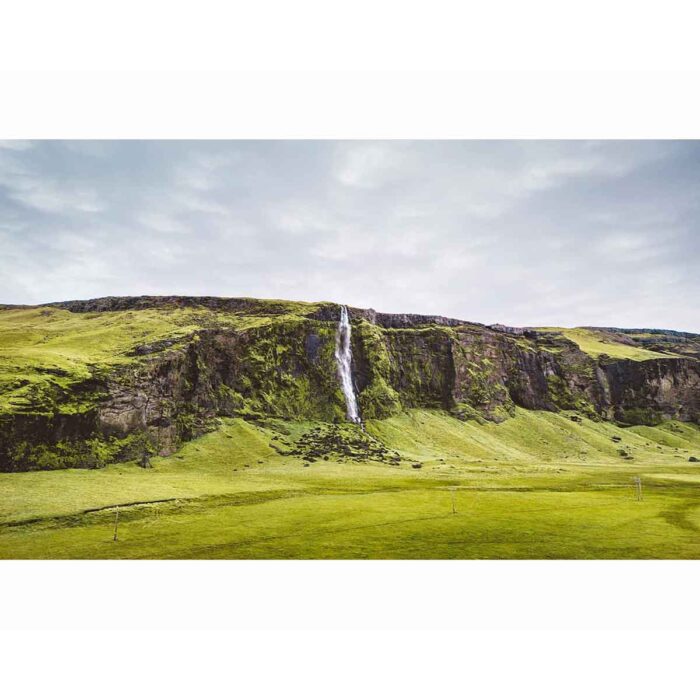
(537, 486)
(597, 343)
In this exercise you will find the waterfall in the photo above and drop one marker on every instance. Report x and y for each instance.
(343, 356)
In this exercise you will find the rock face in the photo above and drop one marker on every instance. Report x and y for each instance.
(647, 392)
(286, 368)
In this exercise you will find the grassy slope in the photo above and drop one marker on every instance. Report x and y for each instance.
(538, 485)
(41, 348)
(595, 343)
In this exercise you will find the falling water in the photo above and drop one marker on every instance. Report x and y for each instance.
(343, 356)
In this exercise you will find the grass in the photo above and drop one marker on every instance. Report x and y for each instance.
(538, 485)
(595, 343)
(45, 350)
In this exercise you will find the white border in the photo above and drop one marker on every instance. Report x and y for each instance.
(254, 105)
(468, 93)
(369, 35)
(487, 595)
(350, 665)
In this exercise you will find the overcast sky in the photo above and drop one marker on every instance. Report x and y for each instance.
(517, 232)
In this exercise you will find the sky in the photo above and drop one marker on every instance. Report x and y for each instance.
(525, 233)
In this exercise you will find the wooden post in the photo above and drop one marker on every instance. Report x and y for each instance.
(454, 505)
(116, 523)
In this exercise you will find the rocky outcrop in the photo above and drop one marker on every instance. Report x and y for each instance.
(648, 392)
(234, 304)
(477, 371)
(285, 370)
(29, 441)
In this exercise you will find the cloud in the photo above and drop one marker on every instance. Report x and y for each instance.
(160, 222)
(522, 232)
(52, 197)
(29, 186)
(15, 145)
(369, 165)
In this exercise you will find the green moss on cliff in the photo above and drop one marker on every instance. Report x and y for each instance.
(93, 453)
(287, 368)
(422, 367)
(378, 399)
(641, 416)
(46, 353)
(565, 398)
(479, 390)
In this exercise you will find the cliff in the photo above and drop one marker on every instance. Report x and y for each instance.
(86, 382)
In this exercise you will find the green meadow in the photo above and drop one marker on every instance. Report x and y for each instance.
(421, 485)
(595, 342)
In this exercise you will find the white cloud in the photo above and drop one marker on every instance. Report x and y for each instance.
(45, 192)
(160, 222)
(369, 165)
(54, 198)
(16, 145)
(546, 233)
(298, 218)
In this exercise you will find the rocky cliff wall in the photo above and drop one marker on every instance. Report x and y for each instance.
(286, 368)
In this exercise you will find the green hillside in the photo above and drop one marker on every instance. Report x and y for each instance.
(44, 351)
(595, 343)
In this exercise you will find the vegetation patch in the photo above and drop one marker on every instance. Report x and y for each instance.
(597, 343)
(342, 443)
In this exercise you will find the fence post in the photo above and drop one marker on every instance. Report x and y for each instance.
(116, 523)
(638, 487)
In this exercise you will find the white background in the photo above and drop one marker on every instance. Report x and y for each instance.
(335, 629)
